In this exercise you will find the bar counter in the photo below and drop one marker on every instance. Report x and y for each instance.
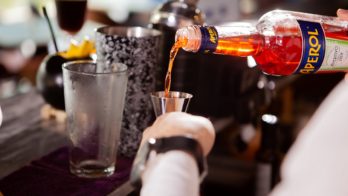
(34, 155)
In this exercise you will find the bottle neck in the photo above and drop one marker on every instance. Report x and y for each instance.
(269, 129)
(268, 140)
(192, 2)
(189, 38)
(239, 39)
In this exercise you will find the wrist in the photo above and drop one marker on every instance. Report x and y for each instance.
(175, 171)
(155, 147)
(166, 161)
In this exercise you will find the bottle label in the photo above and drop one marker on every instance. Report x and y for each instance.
(313, 44)
(322, 52)
(336, 55)
(209, 39)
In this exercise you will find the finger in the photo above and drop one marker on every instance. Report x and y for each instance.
(147, 133)
(342, 14)
(206, 135)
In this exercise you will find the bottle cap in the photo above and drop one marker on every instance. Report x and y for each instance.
(191, 36)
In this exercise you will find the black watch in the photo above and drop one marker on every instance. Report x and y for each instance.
(165, 144)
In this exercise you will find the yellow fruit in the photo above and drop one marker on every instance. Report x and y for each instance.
(82, 50)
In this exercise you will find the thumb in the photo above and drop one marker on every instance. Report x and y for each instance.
(342, 14)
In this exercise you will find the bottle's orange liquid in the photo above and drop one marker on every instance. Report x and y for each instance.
(173, 52)
(280, 59)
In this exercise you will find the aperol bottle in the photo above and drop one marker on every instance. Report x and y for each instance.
(282, 42)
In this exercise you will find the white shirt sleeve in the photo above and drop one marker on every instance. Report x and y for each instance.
(173, 173)
(317, 163)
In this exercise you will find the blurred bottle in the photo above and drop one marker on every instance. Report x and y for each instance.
(167, 18)
(248, 8)
(242, 140)
(282, 43)
(0, 116)
(71, 15)
(268, 156)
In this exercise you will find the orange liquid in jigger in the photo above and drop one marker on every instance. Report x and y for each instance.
(173, 52)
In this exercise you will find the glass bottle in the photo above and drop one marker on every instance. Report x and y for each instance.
(282, 42)
(268, 156)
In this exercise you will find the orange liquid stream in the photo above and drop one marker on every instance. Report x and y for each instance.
(173, 52)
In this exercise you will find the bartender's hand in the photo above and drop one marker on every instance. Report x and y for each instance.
(182, 124)
(342, 14)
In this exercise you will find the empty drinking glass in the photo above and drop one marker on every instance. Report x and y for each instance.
(94, 102)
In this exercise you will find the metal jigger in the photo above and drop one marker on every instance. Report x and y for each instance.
(175, 102)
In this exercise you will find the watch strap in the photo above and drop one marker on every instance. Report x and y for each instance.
(183, 143)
